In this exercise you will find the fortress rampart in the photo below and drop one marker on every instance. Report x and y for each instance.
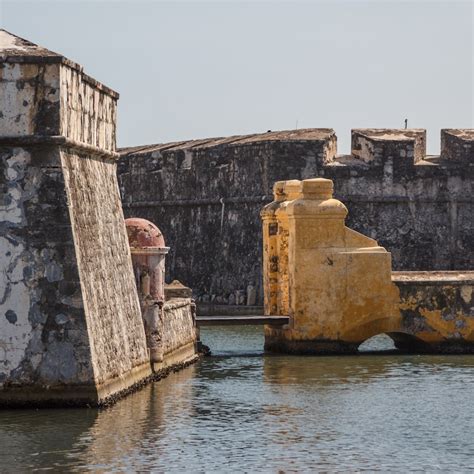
(207, 195)
(71, 328)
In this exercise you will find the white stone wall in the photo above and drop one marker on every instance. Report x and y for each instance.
(70, 321)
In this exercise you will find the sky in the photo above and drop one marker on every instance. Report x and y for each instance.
(195, 69)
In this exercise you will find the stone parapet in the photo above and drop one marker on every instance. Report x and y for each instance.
(45, 94)
(376, 146)
(332, 282)
(457, 145)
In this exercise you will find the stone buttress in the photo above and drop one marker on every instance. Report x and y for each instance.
(70, 325)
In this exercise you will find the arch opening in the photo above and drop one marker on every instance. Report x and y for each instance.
(392, 342)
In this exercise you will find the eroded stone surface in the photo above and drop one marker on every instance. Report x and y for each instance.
(70, 322)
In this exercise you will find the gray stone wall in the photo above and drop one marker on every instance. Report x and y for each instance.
(206, 196)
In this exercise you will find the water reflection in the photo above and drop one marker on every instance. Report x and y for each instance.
(241, 410)
(36, 439)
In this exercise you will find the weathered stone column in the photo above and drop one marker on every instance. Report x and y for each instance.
(339, 281)
(270, 249)
(70, 323)
(292, 191)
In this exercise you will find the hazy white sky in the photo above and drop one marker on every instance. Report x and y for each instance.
(201, 69)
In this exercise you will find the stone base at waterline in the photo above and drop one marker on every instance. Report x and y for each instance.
(75, 395)
(309, 347)
(403, 342)
(183, 355)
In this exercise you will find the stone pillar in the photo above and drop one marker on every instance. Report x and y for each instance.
(270, 249)
(339, 281)
(70, 323)
(292, 191)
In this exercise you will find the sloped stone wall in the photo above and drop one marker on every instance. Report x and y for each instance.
(103, 256)
(43, 331)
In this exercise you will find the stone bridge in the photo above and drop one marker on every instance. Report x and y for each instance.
(337, 286)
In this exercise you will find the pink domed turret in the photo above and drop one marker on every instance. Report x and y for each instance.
(147, 246)
(143, 233)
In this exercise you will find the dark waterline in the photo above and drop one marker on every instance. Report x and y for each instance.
(243, 411)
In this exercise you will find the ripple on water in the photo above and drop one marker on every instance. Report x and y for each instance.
(240, 410)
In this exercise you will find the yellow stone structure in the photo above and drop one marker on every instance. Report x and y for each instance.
(336, 284)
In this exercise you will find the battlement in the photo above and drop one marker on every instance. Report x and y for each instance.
(370, 148)
(376, 147)
(420, 207)
(458, 145)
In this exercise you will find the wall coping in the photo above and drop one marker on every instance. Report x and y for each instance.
(433, 278)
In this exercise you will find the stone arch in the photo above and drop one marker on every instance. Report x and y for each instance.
(408, 342)
(402, 341)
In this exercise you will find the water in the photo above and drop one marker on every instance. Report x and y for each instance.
(241, 411)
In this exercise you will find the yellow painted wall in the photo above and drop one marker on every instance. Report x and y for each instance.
(334, 283)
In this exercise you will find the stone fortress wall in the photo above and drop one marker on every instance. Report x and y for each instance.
(206, 195)
(71, 329)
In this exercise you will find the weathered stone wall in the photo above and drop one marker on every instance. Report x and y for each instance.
(206, 196)
(70, 321)
(437, 308)
(43, 332)
(88, 111)
(29, 103)
(104, 262)
(178, 325)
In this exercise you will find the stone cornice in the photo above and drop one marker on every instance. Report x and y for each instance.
(56, 140)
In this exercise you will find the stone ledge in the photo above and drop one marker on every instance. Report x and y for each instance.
(185, 354)
(176, 303)
(56, 140)
(433, 278)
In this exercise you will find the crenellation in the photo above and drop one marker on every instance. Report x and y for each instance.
(457, 146)
(377, 146)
